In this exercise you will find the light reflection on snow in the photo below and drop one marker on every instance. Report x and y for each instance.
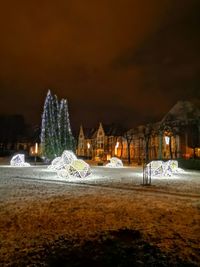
(100, 175)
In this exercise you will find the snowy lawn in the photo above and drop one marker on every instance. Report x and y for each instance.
(186, 181)
(41, 213)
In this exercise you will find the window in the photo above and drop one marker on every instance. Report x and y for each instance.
(81, 145)
(100, 142)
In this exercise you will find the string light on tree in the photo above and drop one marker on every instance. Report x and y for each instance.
(56, 134)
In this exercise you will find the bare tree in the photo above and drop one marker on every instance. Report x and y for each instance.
(147, 132)
(194, 135)
(128, 135)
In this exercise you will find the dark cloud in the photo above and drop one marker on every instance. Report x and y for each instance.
(115, 61)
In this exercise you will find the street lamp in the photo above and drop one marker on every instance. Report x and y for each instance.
(36, 151)
(167, 139)
(116, 147)
(88, 148)
(168, 148)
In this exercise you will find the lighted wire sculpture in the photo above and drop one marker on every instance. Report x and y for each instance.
(115, 163)
(56, 164)
(69, 166)
(79, 168)
(163, 168)
(68, 156)
(19, 161)
(59, 162)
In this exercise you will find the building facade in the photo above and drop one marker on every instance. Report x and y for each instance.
(177, 135)
(100, 143)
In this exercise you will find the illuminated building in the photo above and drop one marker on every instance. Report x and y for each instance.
(177, 135)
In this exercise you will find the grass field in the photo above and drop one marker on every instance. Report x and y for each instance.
(44, 222)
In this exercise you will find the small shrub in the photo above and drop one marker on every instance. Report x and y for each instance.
(192, 164)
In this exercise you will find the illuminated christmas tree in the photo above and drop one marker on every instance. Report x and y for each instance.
(67, 140)
(56, 134)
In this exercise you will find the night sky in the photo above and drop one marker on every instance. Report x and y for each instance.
(122, 61)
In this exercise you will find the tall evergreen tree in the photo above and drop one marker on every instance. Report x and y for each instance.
(66, 138)
(56, 134)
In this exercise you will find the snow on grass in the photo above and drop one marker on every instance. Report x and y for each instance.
(37, 207)
(126, 177)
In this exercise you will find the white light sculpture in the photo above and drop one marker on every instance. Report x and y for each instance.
(19, 161)
(63, 173)
(69, 166)
(56, 164)
(115, 163)
(68, 156)
(174, 165)
(162, 168)
(60, 162)
(79, 168)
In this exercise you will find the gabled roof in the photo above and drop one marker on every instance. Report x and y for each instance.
(182, 111)
(113, 130)
(109, 130)
(89, 132)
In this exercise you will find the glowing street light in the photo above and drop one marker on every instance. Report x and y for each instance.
(116, 147)
(88, 145)
(167, 139)
(36, 148)
(88, 148)
(36, 151)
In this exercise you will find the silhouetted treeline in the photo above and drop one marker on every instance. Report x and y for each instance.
(12, 128)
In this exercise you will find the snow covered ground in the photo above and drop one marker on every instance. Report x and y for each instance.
(37, 207)
(125, 178)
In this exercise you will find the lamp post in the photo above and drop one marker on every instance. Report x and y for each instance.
(167, 139)
(116, 147)
(88, 149)
(36, 151)
(167, 142)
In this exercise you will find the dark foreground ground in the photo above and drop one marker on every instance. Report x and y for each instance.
(113, 248)
(49, 223)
